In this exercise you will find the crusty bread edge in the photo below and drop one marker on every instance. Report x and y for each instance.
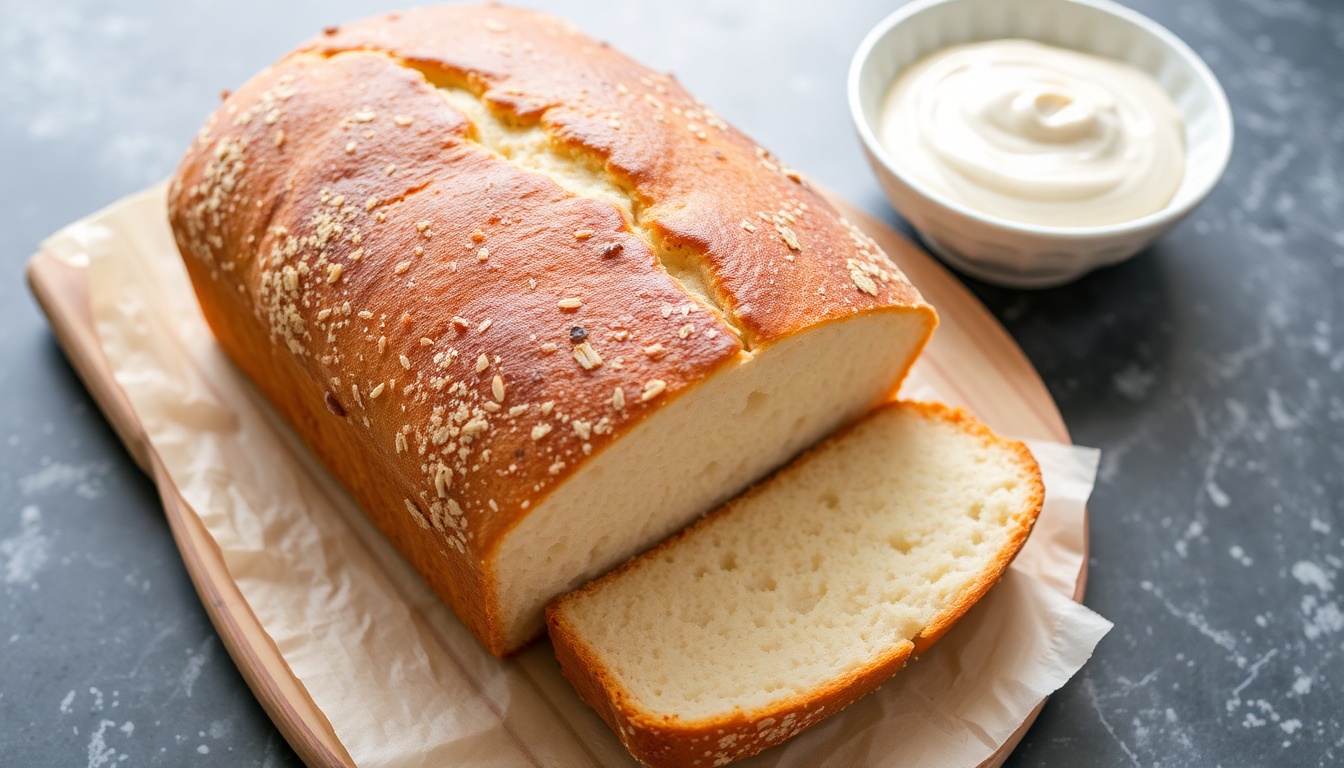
(1017, 536)
(664, 742)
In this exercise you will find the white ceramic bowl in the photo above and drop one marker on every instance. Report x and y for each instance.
(1024, 255)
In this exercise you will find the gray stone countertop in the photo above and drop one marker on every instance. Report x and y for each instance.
(1208, 369)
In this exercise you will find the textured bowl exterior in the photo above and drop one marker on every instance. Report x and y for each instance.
(1021, 255)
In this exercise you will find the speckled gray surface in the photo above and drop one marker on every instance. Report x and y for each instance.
(1209, 369)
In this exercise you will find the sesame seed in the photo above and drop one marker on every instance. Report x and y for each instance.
(540, 431)
(618, 399)
(790, 239)
(382, 344)
(390, 169)
(546, 407)
(350, 148)
(655, 351)
(334, 272)
(497, 389)
(861, 279)
(376, 391)
(403, 266)
(518, 410)
(402, 445)
(405, 362)
(415, 512)
(323, 314)
(652, 389)
(425, 341)
(461, 323)
(365, 314)
(570, 303)
(583, 234)
(482, 363)
(485, 325)
(667, 311)
(443, 480)
(578, 333)
(403, 120)
(587, 356)
(747, 225)
(549, 347)
(483, 254)
(686, 330)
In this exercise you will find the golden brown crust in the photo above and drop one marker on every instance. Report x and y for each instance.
(449, 331)
(695, 179)
(667, 742)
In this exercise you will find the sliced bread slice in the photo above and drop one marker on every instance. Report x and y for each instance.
(804, 594)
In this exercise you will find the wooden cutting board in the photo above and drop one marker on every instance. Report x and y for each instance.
(972, 360)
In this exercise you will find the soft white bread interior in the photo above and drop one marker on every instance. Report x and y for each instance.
(807, 592)
(692, 455)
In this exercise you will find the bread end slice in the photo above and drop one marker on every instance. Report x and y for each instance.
(806, 593)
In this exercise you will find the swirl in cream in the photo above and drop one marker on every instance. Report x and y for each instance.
(1036, 134)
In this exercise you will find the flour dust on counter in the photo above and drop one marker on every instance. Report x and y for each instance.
(26, 551)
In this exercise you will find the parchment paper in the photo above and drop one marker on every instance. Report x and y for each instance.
(400, 679)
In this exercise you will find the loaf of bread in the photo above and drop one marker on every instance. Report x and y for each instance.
(792, 601)
(533, 304)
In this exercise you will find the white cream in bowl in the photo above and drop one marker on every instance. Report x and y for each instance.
(1036, 133)
(996, 247)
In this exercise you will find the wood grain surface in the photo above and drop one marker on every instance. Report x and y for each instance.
(971, 359)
